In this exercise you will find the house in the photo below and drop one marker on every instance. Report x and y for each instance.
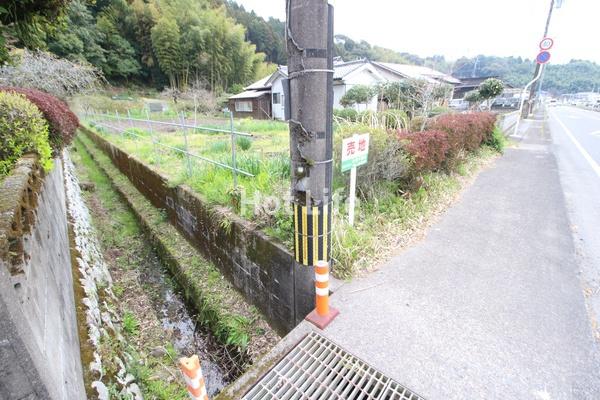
(509, 98)
(263, 99)
(469, 84)
(252, 102)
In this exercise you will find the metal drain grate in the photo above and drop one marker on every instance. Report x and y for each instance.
(319, 369)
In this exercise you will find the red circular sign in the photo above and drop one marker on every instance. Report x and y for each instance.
(546, 43)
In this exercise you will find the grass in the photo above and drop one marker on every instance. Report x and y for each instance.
(130, 323)
(220, 308)
(126, 253)
(383, 222)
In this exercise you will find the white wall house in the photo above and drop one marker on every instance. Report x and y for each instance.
(347, 75)
(278, 97)
(352, 74)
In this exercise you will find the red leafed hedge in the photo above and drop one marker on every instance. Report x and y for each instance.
(427, 149)
(62, 122)
(465, 131)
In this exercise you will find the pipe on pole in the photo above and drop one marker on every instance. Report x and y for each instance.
(532, 82)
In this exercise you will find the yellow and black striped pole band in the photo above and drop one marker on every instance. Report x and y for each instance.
(312, 233)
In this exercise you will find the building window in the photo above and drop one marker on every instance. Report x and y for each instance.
(243, 106)
(276, 98)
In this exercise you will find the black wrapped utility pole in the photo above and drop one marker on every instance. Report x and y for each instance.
(309, 34)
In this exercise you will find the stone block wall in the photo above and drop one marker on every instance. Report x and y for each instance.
(39, 343)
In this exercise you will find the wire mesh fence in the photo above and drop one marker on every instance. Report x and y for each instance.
(152, 131)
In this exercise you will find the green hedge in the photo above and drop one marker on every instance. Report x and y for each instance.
(23, 129)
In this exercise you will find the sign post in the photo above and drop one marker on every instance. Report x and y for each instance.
(355, 152)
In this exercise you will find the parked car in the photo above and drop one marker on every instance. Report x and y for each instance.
(459, 104)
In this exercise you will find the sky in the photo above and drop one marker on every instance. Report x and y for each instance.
(463, 27)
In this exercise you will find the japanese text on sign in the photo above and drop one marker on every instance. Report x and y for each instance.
(355, 151)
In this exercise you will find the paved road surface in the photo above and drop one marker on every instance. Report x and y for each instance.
(576, 135)
(491, 304)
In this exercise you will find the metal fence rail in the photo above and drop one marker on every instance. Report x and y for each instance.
(166, 123)
(94, 118)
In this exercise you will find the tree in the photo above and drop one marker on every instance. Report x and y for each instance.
(472, 96)
(267, 36)
(491, 88)
(359, 94)
(26, 19)
(77, 38)
(488, 90)
(51, 74)
(120, 61)
(165, 42)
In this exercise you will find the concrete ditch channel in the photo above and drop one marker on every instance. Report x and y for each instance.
(168, 300)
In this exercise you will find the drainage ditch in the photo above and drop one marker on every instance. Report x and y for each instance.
(137, 320)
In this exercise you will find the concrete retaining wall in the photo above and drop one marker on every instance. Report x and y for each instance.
(39, 344)
(264, 271)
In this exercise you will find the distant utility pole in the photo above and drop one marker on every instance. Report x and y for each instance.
(309, 35)
(534, 88)
(473, 74)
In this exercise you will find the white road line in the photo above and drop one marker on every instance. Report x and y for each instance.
(583, 152)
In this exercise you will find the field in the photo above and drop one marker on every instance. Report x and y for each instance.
(390, 215)
(203, 160)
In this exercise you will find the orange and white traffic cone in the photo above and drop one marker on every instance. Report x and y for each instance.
(192, 373)
(323, 313)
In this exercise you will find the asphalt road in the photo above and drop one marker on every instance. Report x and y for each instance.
(576, 138)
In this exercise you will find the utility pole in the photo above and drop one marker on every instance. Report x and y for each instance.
(473, 74)
(309, 35)
(534, 88)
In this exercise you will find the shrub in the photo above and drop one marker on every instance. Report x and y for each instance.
(465, 132)
(22, 129)
(47, 72)
(427, 150)
(346, 114)
(359, 94)
(393, 119)
(417, 123)
(62, 122)
(387, 160)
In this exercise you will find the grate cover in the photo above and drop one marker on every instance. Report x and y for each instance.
(319, 369)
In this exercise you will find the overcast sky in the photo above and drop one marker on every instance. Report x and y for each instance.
(463, 27)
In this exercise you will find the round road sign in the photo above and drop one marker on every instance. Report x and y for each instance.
(546, 43)
(543, 57)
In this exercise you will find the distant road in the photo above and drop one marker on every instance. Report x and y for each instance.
(576, 137)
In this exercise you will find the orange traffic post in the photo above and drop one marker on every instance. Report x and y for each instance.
(323, 314)
(192, 373)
